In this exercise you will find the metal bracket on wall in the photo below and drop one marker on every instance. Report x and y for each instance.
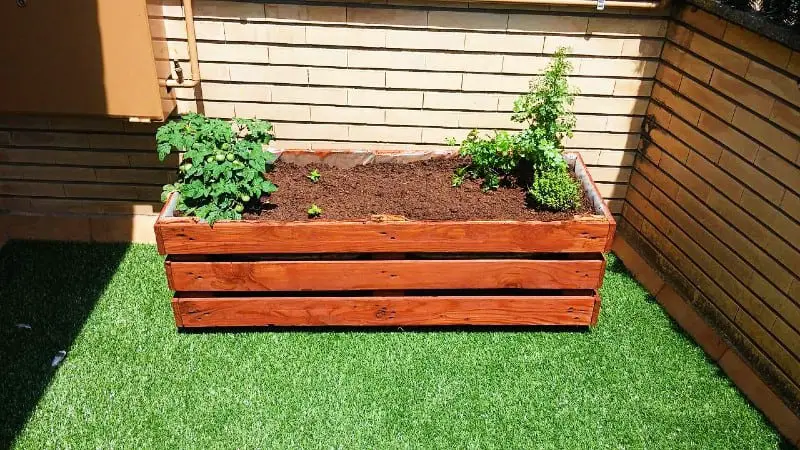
(191, 40)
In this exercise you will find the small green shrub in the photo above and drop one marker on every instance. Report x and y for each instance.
(555, 190)
(224, 164)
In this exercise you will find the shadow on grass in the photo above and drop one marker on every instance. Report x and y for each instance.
(47, 292)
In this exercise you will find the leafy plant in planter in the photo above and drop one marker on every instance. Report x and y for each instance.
(224, 164)
(493, 159)
(535, 152)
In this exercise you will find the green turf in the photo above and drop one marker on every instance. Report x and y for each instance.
(132, 381)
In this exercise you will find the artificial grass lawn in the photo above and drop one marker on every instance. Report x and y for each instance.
(131, 380)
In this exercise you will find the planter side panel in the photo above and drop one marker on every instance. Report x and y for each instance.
(185, 236)
(322, 275)
(384, 311)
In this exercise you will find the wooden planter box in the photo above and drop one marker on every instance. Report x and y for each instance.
(320, 273)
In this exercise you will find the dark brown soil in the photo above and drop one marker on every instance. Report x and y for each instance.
(417, 191)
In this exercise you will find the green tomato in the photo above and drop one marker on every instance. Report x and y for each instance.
(210, 159)
(245, 198)
(230, 157)
(220, 157)
(182, 168)
(239, 208)
(187, 166)
(226, 146)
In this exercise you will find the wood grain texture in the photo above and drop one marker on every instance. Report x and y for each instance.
(390, 274)
(384, 311)
(596, 310)
(176, 312)
(185, 236)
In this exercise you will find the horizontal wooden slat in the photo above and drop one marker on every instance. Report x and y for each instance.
(329, 107)
(389, 274)
(185, 236)
(453, 15)
(78, 206)
(87, 174)
(737, 62)
(218, 85)
(383, 311)
(284, 61)
(253, 45)
(299, 108)
(118, 158)
(537, 23)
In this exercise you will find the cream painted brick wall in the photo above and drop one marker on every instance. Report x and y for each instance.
(424, 117)
(423, 80)
(309, 95)
(271, 111)
(490, 42)
(267, 74)
(547, 24)
(249, 32)
(385, 59)
(369, 37)
(399, 99)
(308, 56)
(346, 77)
(412, 39)
(335, 114)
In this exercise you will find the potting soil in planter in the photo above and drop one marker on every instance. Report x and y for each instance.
(417, 191)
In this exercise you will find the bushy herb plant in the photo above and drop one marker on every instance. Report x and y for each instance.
(534, 151)
(547, 111)
(224, 164)
(554, 190)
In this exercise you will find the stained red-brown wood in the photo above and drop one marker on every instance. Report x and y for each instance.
(602, 271)
(612, 224)
(186, 236)
(612, 231)
(176, 312)
(595, 310)
(170, 276)
(384, 311)
(389, 275)
(383, 275)
(160, 241)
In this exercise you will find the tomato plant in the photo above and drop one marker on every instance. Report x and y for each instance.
(224, 164)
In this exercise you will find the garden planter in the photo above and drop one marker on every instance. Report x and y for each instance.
(387, 272)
